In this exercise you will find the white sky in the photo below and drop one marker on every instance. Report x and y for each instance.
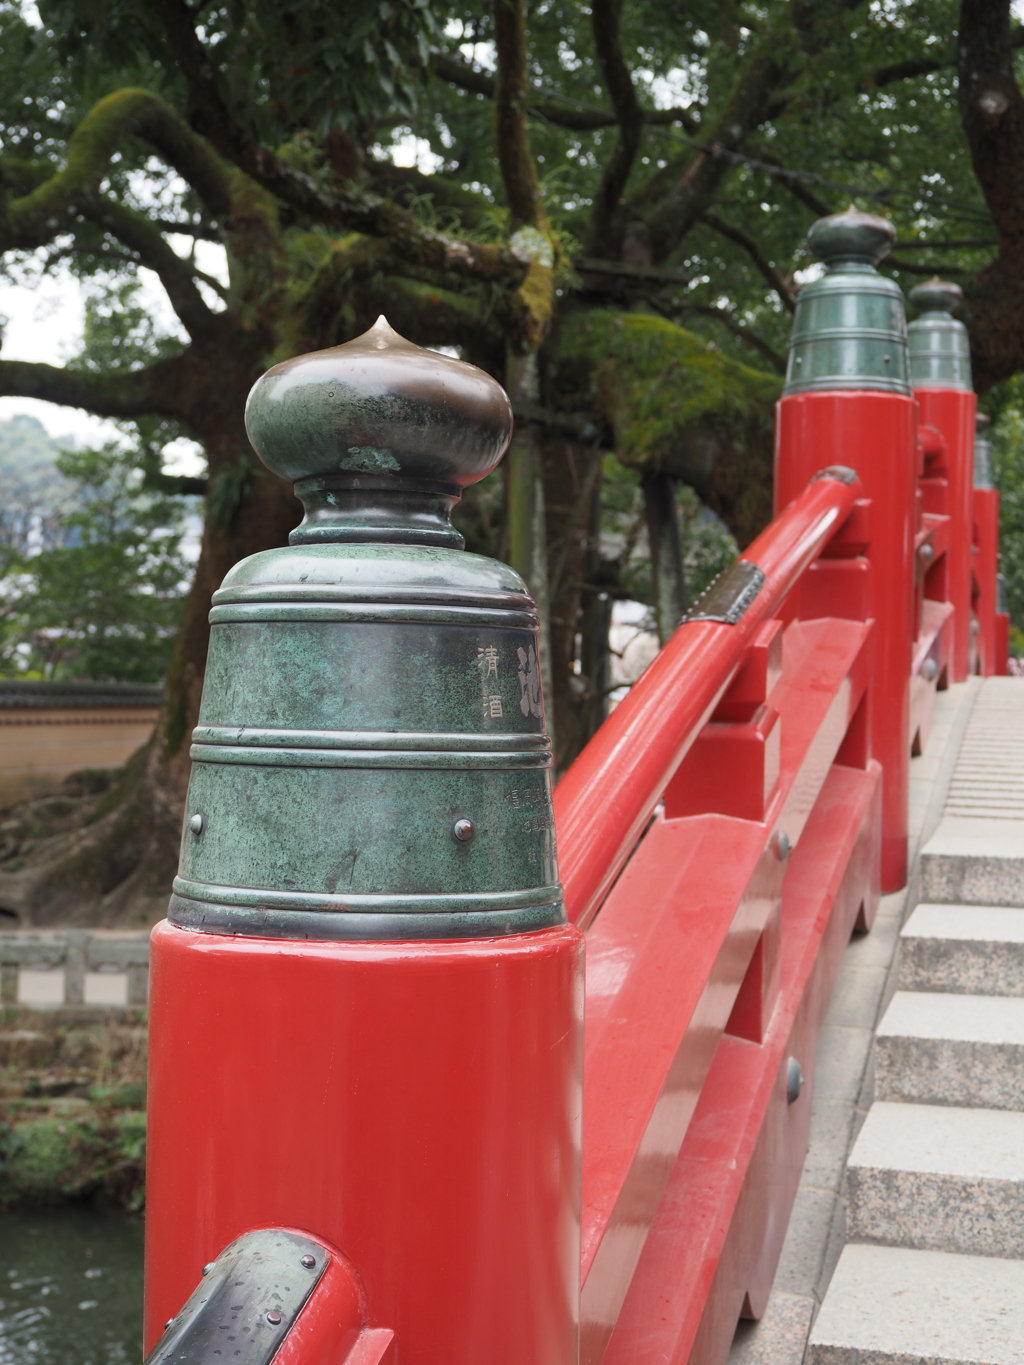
(44, 323)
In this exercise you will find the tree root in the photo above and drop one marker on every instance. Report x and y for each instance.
(99, 852)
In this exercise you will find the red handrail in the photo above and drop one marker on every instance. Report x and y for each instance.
(607, 796)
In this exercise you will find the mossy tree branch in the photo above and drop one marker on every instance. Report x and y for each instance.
(761, 261)
(527, 311)
(512, 97)
(35, 218)
(343, 205)
(132, 394)
(607, 220)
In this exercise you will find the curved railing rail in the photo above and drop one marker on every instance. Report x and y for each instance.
(605, 799)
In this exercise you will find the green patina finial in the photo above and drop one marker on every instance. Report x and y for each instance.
(371, 759)
(380, 437)
(984, 463)
(940, 352)
(850, 330)
(851, 237)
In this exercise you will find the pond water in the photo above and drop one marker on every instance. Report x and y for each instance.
(70, 1287)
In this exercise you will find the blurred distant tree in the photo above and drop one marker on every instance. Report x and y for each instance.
(32, 490)
(1006, 406)
(102, 597)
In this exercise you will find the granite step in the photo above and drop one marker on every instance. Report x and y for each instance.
(976, 858)
(963, 949)
(962, 1050)
(938, 1179)
(895, 1306)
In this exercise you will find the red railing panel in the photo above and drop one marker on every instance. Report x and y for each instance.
(607, 796)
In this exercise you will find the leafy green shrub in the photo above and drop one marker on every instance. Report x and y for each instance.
(57, 1158)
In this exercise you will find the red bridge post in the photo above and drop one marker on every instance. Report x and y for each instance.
(847, 401)
(991, 622)
(366, 1003)
(940, 372)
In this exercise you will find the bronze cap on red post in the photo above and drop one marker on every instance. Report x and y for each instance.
(849, 331)
(379, 436)
(371, 759)
(984, 465)
(940, 352)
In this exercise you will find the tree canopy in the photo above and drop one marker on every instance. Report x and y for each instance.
(92, 574)
(608, 213)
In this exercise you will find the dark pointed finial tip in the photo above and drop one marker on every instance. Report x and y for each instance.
(379, 405)
(851, 236)
(936, 296)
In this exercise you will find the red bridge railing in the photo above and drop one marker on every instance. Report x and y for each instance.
(415, 1106)
(606, 798)
(710, 962)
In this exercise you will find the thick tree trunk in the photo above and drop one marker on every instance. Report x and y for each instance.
(662, 514)
(992, 113)
(572, 486)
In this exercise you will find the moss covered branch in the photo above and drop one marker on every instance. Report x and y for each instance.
(342, 205)
(132, 394)
(149, 248)
(512, 97)
(36, 217)
(606, 222)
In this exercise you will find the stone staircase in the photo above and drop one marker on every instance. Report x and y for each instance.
(933, 1270)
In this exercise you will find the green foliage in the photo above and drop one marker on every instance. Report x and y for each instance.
(707, 547)
(34, 491)
(53, 1159)
(104, 602)
(283, 66)
(46, 1158)
(653, 381)
(27, 453)
(1008, 448)
(34, 97)
(120, 332)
